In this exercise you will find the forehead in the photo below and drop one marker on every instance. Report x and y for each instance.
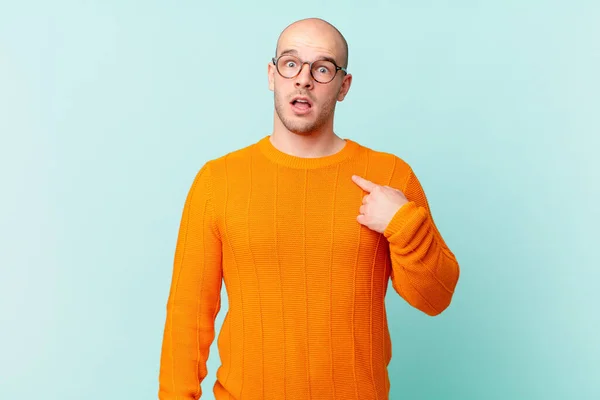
(309, 43)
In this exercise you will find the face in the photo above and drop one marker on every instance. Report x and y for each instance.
(308, 44)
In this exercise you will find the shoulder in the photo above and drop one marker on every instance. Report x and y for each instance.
(384, 156)
(387, 166)
(232, 162)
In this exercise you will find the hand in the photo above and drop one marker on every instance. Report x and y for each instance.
(380, 204)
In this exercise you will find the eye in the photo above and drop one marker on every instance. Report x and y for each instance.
(290, 64)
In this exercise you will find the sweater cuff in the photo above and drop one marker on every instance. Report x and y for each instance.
(405, 224)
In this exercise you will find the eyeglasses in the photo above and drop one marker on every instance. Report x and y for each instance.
(322, 71)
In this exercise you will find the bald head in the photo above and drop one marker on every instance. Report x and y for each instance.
(316, 32)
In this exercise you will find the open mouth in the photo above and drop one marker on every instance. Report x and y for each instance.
(301, 104)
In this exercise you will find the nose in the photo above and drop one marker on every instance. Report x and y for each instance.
(304, 78)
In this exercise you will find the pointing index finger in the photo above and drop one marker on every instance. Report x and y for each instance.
(365, 184)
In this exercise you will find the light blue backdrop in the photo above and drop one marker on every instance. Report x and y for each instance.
(109, 108)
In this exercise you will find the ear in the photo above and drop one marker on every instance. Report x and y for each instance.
(271, 75)
(346, 82)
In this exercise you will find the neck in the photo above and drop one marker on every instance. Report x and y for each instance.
(309, 145)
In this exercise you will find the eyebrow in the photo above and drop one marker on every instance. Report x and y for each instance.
(294, 52)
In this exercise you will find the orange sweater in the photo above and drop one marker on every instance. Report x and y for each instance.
(305, 281)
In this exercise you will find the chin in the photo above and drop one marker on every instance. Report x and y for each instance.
(301, 129)
(298, 125)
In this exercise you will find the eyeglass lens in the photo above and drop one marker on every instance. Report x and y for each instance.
(322, 70)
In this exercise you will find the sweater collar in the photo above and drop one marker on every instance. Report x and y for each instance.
(279, 157)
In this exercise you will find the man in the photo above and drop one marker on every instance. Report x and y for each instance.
(305, 229)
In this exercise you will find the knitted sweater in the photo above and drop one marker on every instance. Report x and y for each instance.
(305, 281)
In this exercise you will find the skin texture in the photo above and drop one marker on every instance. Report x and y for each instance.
(312, 134)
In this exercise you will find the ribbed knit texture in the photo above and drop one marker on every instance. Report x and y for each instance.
(305, 281)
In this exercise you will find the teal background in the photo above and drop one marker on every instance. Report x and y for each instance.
(109, 108)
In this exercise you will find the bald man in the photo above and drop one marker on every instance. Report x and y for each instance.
(305, 229)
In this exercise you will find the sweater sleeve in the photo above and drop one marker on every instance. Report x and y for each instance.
(194, 297)
(424, 270)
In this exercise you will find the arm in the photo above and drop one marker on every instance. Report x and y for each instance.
(424, 270)
(194, 298)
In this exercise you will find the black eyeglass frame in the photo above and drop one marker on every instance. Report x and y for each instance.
(275, 61)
